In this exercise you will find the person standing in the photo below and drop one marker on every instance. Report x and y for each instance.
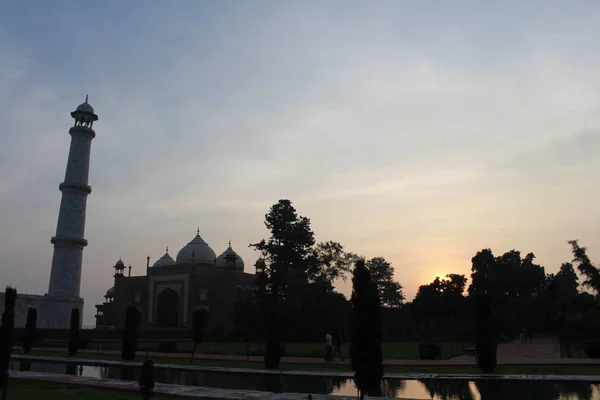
(337, 345)
(328, 347)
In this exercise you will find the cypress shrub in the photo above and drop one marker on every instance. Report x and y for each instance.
(200, 318)
(167, 347)
(486, 344)
(365, 348)
(274, 348)
(592, 348)
(429, 351)
(132, 321)
(146, 380)
(29, 331)
(6, 336)
(74, 332)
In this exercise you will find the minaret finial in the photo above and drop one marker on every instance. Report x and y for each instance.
(86, 98)
(198, 231)
(167, 249)
(230, 243)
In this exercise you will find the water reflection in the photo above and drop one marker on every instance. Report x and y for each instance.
(436, 389)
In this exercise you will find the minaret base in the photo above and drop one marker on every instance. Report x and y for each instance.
(52, 312)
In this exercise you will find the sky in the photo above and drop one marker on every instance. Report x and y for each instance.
(420, 131)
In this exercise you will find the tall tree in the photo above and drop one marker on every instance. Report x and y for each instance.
(146, 380)
(6, 337)
(199, 323)
(562, 289)
(29, 331)
(365, 348)
(382, 275)
(132, 322)
(486, 344)
(74, 332)
(287, 250)
(274, 348)
(328, 262)
(585, 266)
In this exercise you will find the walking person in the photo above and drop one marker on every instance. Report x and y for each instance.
(328, 347)
(522, 335)
(337, 345)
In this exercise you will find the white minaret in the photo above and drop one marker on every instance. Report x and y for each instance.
(65, 276)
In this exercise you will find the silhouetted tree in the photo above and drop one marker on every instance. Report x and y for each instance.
(146, 380)
(585, 266)
(29, 331)
(382, 275)
(74, 332)
(328, 262)
(286, 251)
(132, 322)
(365, 347)
(274, 348)
(199, 323)
(6, 336)
(486, 344)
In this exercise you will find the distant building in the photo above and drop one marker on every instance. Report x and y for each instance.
(172, 290)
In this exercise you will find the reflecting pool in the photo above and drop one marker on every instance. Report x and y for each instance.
(437, 389)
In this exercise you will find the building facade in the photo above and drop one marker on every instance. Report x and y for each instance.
(172, 289)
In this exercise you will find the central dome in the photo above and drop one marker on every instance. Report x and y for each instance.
(197, 251)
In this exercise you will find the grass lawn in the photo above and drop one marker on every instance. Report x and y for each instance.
(392, 350)
(25, 389)
(441, 369)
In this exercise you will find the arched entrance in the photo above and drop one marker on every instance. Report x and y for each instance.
(167, 308)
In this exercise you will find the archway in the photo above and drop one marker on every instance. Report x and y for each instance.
(167, 308)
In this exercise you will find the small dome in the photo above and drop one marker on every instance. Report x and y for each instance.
(120, 263)
(197, 251)
(85, 107)
(164, 261)
(230, 256)
(110, 293)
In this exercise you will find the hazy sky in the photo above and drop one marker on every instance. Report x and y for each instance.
(420, 131)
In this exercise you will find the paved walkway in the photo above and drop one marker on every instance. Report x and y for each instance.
(176, 390)
(543, 351)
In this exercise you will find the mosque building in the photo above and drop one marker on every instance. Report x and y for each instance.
(172, 289)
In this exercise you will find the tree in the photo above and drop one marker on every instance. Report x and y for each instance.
(274, 349)
(146, 380)
(200, 318)
(132, 322)
(585, 266)
(382, 275)
(365, 348)
(486, 345)
(29, 331)
(287, 250)
(6, 337)
(442, 300)
(328, 262)
(562, 289)
(74, 332)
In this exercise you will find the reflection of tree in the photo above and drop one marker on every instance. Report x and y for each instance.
(25, 365)
(517, 390)
(128, 373)
(71, 369)
(448, 389)
(579, 390)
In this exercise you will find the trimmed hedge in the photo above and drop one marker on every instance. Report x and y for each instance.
(592, 348)
(167, 347)
(429, 351)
